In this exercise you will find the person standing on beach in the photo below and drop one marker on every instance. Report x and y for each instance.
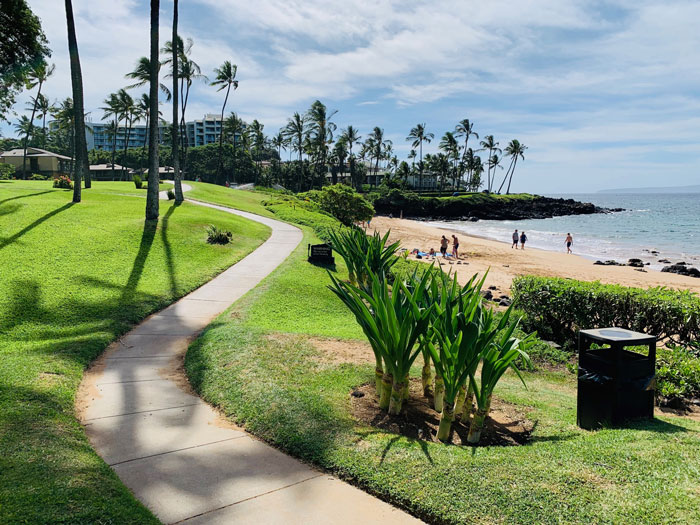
(516, 238)
(523, 240)
(443, 245)
(569, 242)
(455, 247)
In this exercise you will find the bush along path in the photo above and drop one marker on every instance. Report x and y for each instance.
(172, 449)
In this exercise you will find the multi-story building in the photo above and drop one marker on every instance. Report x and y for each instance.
(199, 133)
(205, 131)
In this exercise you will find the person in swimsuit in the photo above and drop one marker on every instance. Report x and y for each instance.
(569, 241)
(443, 245)
(523, 240)
(455, 247)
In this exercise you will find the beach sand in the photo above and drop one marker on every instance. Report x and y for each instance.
(506, 263)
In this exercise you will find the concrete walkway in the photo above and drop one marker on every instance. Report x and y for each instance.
(174, 452)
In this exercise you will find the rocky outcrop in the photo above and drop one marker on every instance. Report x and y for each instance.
(481, 206)
(682, 269)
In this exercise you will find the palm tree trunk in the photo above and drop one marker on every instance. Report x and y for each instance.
(177, 176)
(152, 203)
(78, 105)
(515, 162)
(29, 131)
(145, 138)
(221, 136)
(420, 166)
(114, 145)
(126, 145)
(505, 178)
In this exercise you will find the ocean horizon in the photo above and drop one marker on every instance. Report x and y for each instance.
(666, 223)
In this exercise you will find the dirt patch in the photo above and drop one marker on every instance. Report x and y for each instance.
(505, 426)
(691, 412)
(338, 351)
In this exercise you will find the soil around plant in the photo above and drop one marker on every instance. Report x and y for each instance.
(505, 426)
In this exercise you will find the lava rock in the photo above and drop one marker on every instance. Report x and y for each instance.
(357, 393)
(682, 269)
(504, 302)
(664, 261)
(608, 263)
(635, 263)
(492, 287)
(487, 295)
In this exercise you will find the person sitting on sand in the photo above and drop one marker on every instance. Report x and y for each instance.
(516, 238)
(569, 242)
(455, 247)
(431, 253)
(523, 240)
(443, 245)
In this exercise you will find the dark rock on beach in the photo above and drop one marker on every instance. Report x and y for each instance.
(682, 269)
(608, 263)
(635, 263)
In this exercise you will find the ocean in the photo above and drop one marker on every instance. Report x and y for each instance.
(666, 223)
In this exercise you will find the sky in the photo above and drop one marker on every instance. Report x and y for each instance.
(604, 94)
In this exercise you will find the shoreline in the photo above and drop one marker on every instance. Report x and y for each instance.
(479, 253)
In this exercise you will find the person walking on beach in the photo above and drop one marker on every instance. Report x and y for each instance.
(455, 247)
(523, 240)
(569, 241)
(516, 237)
(443, 245)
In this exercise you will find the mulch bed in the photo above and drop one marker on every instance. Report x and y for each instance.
(505, 426)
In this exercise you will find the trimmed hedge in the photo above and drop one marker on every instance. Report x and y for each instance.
(557, 308)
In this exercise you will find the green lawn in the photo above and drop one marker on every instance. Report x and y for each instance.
(249, 201)
(257, 363)
(74, 277)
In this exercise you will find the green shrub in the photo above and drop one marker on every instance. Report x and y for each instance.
(37, 176)
(63, 182)
(218, 236)
(342, 202)
(171, 195)
(7, 171)
(557, 308)
(137, 182)
(677, 374)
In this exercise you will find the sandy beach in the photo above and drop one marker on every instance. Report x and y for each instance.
(506, 263)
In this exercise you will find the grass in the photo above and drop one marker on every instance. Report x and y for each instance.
(74, 277)
(249, 201)
(258, 364)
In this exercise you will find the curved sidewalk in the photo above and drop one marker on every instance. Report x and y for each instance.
(174, 452)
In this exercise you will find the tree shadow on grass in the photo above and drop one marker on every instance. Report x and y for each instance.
(168, 249)
(24, 196)
(9, 209)
(9, 240)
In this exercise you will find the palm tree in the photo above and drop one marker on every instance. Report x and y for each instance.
(377, 146)
(112, 108)
(234, 127)
(448, 144)
(152, 202)
(63, 116)
(259, 142)
(36, 76)
(412, 157)
(81, 158)
(279, 142)
(514, 150)
(296, 132)
(173, 59)
(225, 79)
(127, 108)
(320, 132)
(418, 135)
(465, 129)
(491, 145)
(44, 107)
(494, 162)
(141, 74)
(351, 136)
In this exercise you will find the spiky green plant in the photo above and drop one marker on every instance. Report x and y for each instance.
(393, 322)
(497, 357)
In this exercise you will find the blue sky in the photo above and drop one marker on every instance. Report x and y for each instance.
(604, 94)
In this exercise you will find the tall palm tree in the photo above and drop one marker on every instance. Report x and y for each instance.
(174, 135)
(225, 79)
(44, 107)
(412, 157)
(418, 135)
(36, 76)
(465, 129)
(112, 109)
(279, 142)
(351, 136)
(127, 108)
(152, 202)
(449, 145)
(489, 144)
(320, 132)
(494, 163)
(296, 131)
(378, 148)
(258, 141)
(514, 149)
(141, 74)
(82, 168)
(63, 116)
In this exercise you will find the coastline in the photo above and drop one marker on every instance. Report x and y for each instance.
(505, 263)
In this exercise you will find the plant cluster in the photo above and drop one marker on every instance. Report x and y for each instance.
(138, 182)
(38, 176)
(171, 195)
(63, 182)
(7, 171)
(677, 374)
(430, 313)
(343, 203)
(216, 235)
(557, 308)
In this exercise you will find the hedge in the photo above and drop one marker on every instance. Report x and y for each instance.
(557, 308)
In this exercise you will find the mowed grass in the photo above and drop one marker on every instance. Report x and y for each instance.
(258, 363)
(250, 201)
(74, 277)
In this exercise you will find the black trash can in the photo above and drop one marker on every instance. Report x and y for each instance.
(614, 384)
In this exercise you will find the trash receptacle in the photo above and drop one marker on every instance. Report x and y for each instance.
(614, 384)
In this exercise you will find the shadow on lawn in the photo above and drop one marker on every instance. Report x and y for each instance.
(24, 196)
(9, 240)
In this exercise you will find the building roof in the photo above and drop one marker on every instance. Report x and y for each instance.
(164, 169)
(103, 167)
(32, 152)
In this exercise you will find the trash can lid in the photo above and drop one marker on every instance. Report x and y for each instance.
(617, 335)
